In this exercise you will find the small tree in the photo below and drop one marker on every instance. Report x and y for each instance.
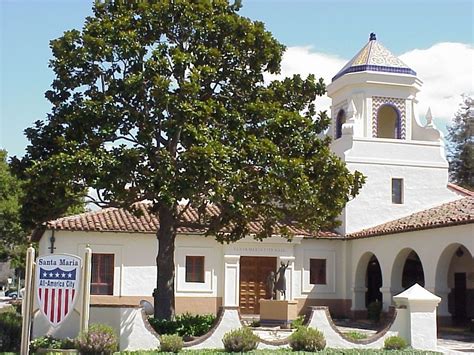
(461, 147)
(166, 102)
(12, 233)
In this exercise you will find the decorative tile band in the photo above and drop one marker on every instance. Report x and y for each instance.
(378, 68)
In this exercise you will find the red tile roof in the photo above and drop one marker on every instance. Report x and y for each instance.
(460, 190)
(449, 214)
(120, 220)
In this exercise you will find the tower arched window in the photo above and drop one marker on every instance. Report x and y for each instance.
(388, 122)
(340, 120)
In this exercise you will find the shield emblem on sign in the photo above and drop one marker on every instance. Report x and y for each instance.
(58, 278)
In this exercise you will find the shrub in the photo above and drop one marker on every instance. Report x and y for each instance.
(171, 343)
(185, 325)
(10, 331)
(255, 324)
(374, 309)
(354, 335)
(307, 339)
(48, 342)
(99, 339)
(395, 343)
(240, 340)
(298, 322)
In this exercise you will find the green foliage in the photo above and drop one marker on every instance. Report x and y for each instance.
(48, 342)
(12, 233)
(307, 339)
(255, 324)
(166, 101)
(15, 201)
(355, 335)
(395, 343)
(185, 325)
(298, 322)
(240, 340)
(99, 339)
(374, 310)
(461, 147)
(172, 343)
(10, 331)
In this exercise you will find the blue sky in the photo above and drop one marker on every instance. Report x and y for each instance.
(325, 33)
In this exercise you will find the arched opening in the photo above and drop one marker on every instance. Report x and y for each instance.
(412, 271)
(373, 281)
(407, 270)
(455, 274)
(388, 122)
(340, 120)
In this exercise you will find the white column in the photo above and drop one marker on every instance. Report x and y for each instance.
(231, 280)
(288, 275)
(358, 298)
(443, 305)
(386, 297)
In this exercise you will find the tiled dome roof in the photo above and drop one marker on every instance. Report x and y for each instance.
(375, 57)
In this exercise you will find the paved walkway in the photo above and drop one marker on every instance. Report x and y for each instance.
(456, 344)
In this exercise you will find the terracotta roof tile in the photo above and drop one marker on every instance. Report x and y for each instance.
(120, 220)
(448, 214)
(460, 190)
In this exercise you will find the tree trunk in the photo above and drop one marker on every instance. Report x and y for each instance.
(164, 292)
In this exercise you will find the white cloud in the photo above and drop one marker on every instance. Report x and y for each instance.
(303, 61)
(446, 70)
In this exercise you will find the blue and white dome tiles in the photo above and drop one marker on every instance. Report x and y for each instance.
(375, 57)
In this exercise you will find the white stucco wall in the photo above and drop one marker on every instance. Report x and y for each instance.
(134, 256)
(333, 252)
(135, 271)
(421, 165)
(197, 245)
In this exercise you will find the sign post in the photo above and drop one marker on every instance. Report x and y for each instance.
(56, 284)
(27, 305)
(86, 290)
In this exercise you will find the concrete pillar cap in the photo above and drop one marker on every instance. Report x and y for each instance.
(416, 293)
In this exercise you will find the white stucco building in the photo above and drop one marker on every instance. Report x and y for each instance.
(407, 225)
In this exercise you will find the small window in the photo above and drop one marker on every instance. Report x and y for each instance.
(340, 120)
(397, 191)
(102, 278)
(195, 269)
(317, 271)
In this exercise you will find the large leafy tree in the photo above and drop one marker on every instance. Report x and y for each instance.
(13, 235)
(15, 214)
(167, 102)
(461, 145)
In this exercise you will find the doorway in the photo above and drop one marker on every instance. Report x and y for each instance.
(253, 275)
(460, 297)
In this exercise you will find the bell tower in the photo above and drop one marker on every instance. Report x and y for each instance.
(375, 130)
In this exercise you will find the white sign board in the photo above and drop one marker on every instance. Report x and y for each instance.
(58, 278)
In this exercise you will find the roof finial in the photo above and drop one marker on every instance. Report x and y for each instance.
(372, 37)
(429, 118)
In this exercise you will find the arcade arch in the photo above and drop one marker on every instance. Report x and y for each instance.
(455, 277)
(407, 270)
(367, 281)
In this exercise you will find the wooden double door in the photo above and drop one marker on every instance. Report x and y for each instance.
(253, 276)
